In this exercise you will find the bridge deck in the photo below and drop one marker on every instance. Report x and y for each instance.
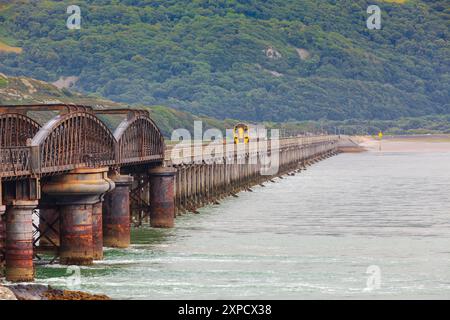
(216, 152)
(79, 136)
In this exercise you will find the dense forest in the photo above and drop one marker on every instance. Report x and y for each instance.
(21, 90)
(274, 60)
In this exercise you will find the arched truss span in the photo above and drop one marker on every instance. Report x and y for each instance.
(71, 140)
(16, 129)
(139, 140)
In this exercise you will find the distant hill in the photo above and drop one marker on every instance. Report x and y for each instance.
(273, 60)
(22, 90)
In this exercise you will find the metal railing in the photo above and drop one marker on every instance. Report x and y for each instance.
(198, 151)
(15, 161)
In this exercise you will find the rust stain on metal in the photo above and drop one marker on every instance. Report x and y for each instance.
(76, 235)
(74, 138)
(97, 231)
(19, 241)
(116, 213)
(162, 212)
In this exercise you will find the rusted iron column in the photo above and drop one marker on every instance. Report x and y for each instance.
(116, 213)
(162, 197)
(19, 240)
(21, 198)
(97, 230)
(77, 193)
(77, 245)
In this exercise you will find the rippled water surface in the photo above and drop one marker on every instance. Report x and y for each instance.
(312, 235)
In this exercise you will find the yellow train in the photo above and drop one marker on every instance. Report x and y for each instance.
(243, 133)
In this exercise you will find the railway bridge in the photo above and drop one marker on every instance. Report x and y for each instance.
(89, 174)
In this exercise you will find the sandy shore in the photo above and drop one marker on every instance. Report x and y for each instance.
(422, 143)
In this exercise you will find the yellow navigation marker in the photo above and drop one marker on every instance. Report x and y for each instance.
(380, 135)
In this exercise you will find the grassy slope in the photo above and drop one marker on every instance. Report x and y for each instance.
(7, 48)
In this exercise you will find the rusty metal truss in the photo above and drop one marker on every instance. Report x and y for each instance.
(16, 129)
(138, 138)
(41, 231)
(75, 137)
(140, 199)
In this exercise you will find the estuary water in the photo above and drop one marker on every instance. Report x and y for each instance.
(355, 226)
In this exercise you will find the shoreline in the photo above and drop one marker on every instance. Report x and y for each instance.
(33, 291)
(405, 144)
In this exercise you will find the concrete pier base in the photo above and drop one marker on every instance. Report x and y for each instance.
(19, 241)
(162, 205)
(116, 213)
(78, 195)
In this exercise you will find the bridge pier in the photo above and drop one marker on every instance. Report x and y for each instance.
(19, 240)
(116, 213)
(77, 246)
(78, 195)
(21, 198)
(162, 205)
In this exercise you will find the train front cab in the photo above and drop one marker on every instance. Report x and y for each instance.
(241, 133)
